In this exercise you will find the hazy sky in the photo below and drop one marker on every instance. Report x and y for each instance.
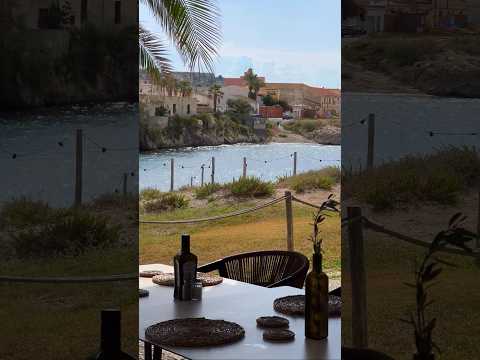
(283, 40)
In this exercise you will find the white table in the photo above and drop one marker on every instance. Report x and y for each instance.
(241, 303)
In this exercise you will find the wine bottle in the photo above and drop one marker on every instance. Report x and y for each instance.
(316, 301)
(110, 332)
(185, 268)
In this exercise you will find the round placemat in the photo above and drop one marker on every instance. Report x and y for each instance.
(150, 273)
(272, 322)
(168, 279)
(278, 335)
(143, 293)
(295, 305)
(194, 332)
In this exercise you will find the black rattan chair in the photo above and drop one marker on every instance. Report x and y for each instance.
(264, 268)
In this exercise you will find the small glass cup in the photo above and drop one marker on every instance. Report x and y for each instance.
(197, 287)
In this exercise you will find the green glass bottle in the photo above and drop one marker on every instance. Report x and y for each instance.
(316, 301)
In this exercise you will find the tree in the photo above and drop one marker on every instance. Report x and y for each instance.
(254, 83)
(215, 91)
(193, 26)
(268, 100)
(184, 88)
(239, 106)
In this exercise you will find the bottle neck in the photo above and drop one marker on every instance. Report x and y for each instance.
(110, 331)
(317, 263)
(185, 244)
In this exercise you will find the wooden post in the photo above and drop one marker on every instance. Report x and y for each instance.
(478, 222)
(125, 177)
(371, 141)
(289, 212)
(358, 279)
(191, 181)
(78, 167)
(244, 167)
(213, 170)
(172, 173)
(294, 163)
(203, 172)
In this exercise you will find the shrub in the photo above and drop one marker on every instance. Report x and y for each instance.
(251, 186)
(70, 234)
(166, 201)
(147, 194)
(206, 190)
(24, 212)
(322, 179)
(437, 177)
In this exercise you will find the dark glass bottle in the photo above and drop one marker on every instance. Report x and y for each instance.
(185, 268)
(110, 343)
(316, 301)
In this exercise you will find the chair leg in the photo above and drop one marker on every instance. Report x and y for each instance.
(147, 351)
(157, 353)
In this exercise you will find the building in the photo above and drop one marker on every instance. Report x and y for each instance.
(158, 101)
(415, 15)
(305, 100)
(109, 14)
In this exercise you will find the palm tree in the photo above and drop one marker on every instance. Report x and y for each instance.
(254, 83)
(184, 88)
(192, 25)
(215, 91)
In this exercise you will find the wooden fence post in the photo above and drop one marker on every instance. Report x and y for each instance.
(125, 179)
(371, 141)
(213, 169)
(295, 163)
(289, 212)
(203, 171)
(358, 279)
(78, 167)
(191, 181)
(172, 173)
(244, 167)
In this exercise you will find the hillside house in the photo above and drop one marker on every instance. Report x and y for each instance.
(34, 15)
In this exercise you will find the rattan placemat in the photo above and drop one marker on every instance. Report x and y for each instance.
(295, 305)
(168, 279)
(194, 332)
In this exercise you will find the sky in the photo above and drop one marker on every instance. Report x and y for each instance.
(283, 40)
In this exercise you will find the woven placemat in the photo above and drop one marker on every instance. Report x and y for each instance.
(150, 273)
(194, 332)
(295, 305)
(168, 279)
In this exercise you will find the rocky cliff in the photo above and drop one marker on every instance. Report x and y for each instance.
(202, 130)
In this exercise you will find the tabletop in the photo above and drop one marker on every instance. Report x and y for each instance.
(241, 303)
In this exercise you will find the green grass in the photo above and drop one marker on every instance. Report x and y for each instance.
(323, 179)
(165, 201)
(439, 177)
(261, 230)
(389, 264)
(203, 192)
(250, 187)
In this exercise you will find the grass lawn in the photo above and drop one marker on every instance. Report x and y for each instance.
(261, 230)
(389, 263)
(64, 318)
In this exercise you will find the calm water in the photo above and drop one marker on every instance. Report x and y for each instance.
(403, 125)
(35, 138)
(266, 161)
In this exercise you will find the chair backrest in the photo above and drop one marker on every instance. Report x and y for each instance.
(267, 268)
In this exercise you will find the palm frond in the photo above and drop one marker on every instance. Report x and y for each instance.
(152, 54)
(193, 26)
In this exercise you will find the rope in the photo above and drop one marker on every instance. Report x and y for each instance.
(219, 217)
(305, 202)
(80, 279)
(382, 229)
